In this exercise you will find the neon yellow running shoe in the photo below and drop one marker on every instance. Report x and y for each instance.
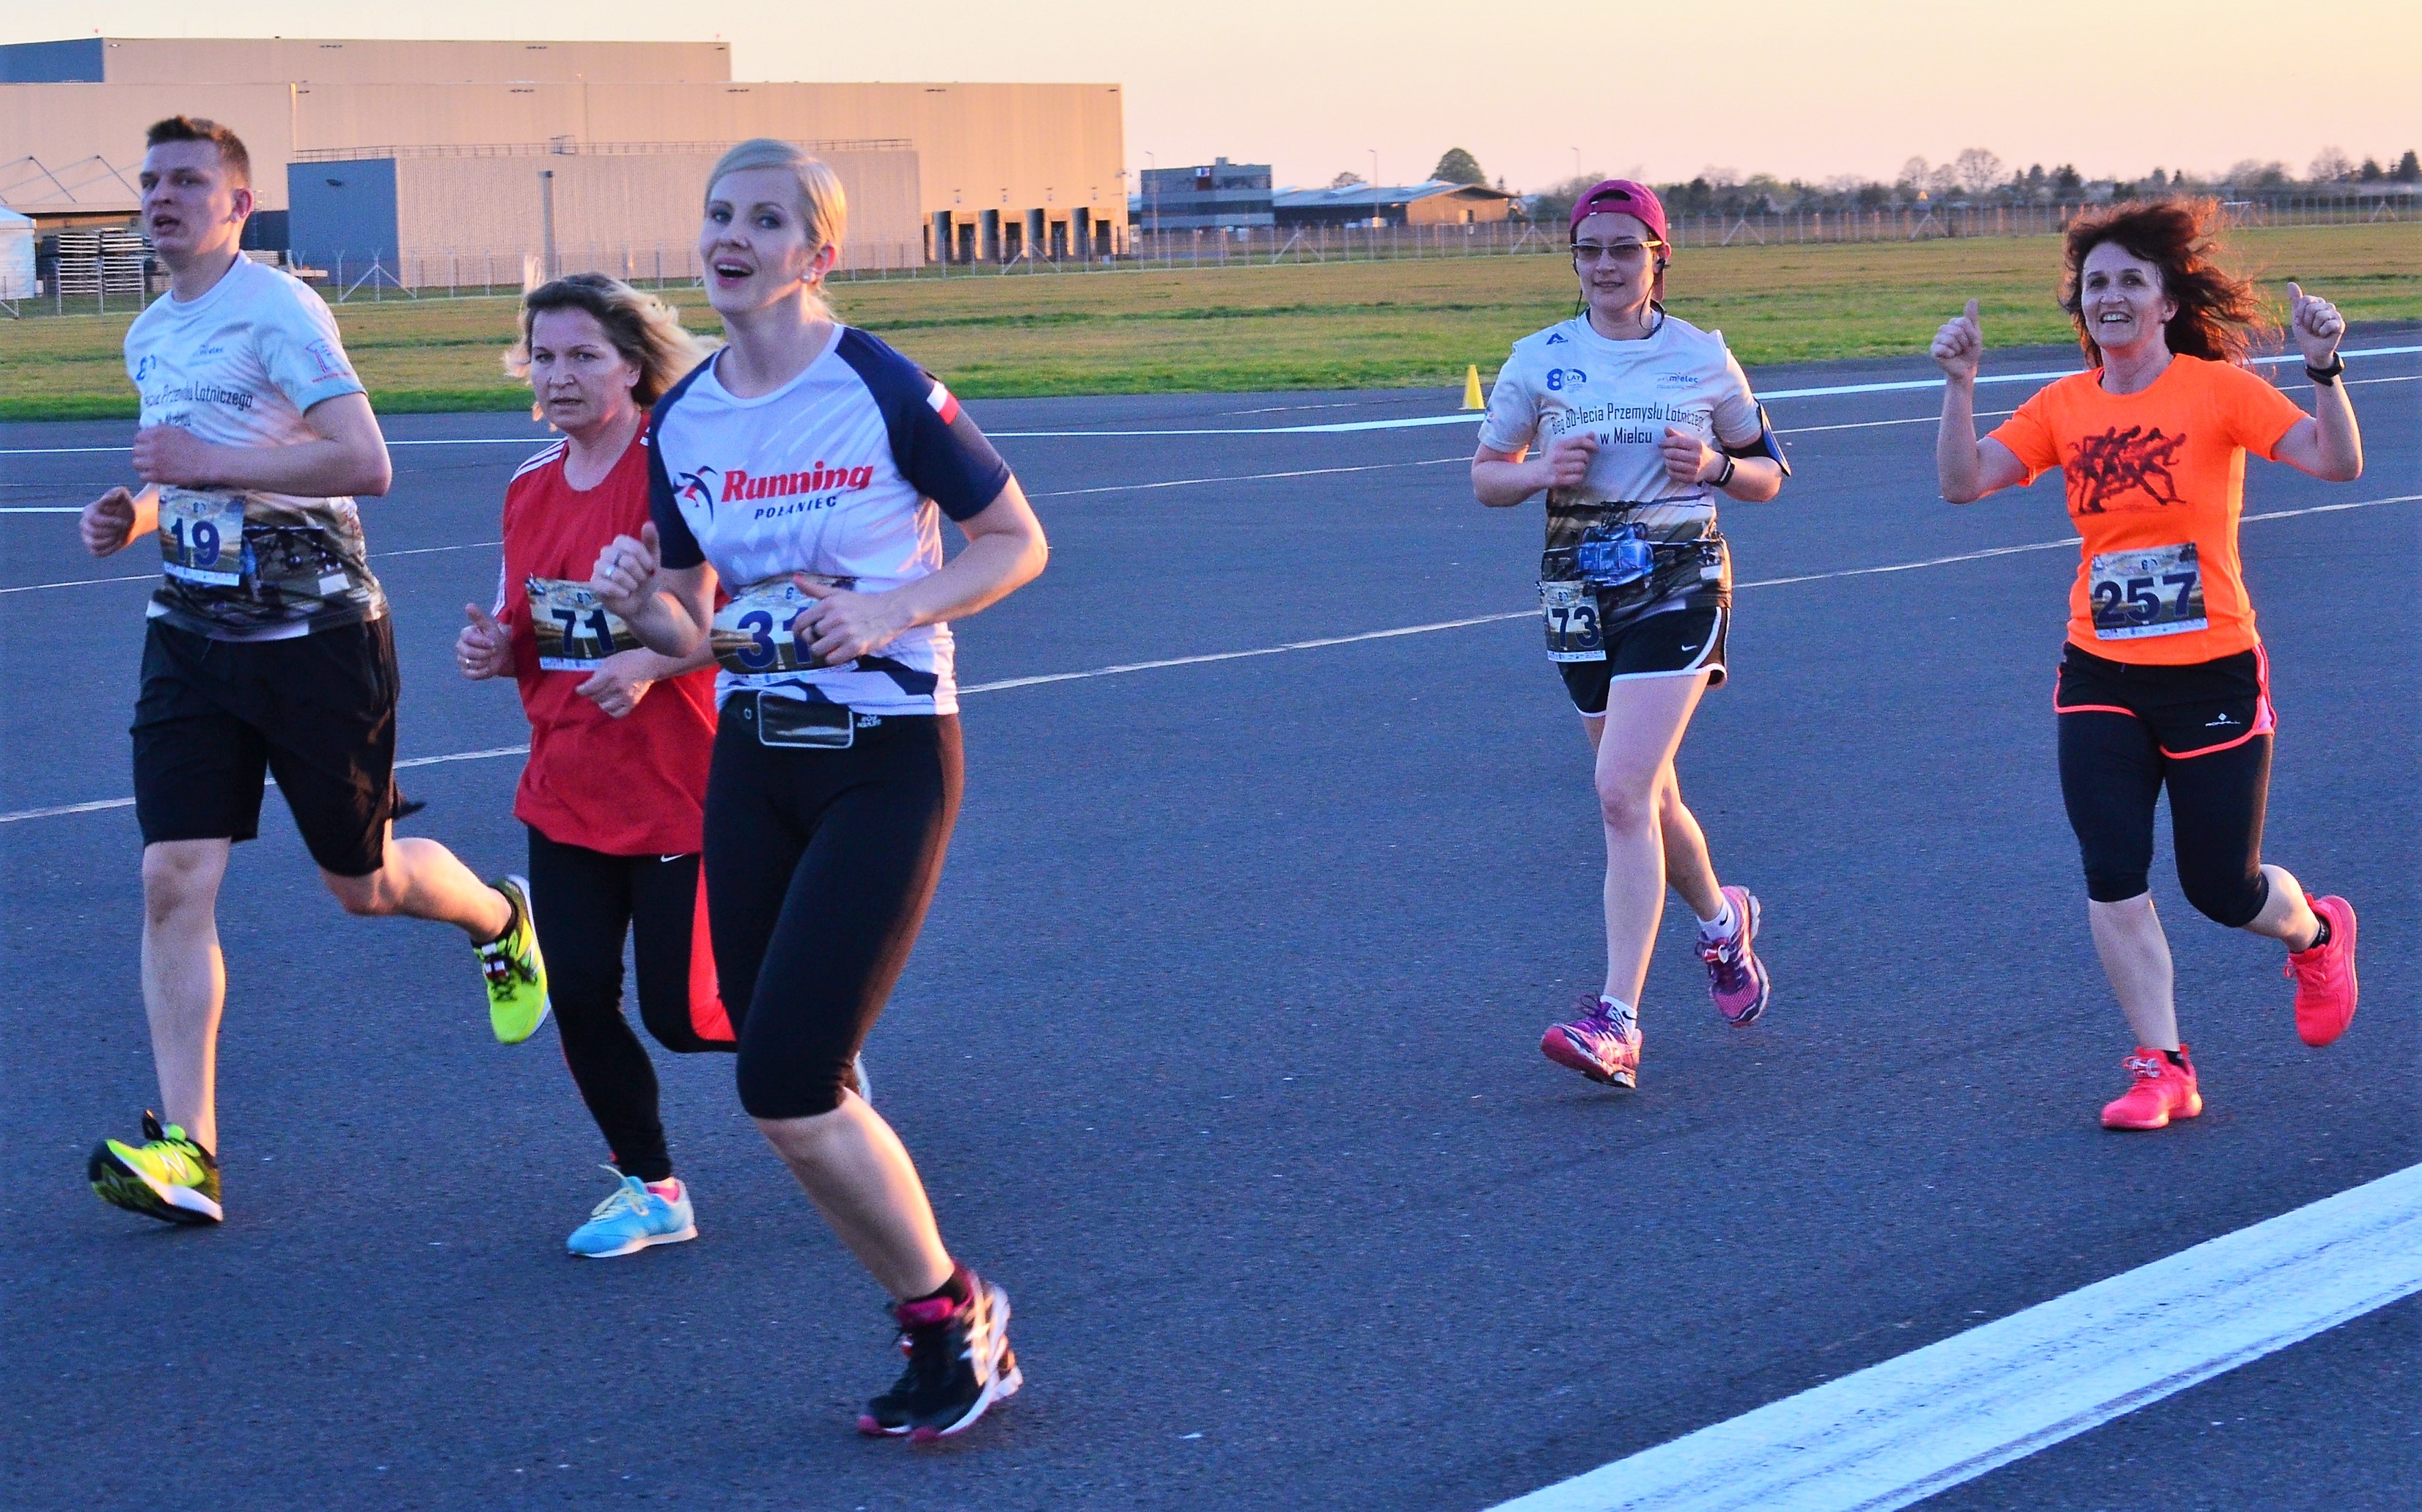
(167, 1176)
(516, 971)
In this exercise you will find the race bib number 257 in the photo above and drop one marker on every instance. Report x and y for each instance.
(2151, 590)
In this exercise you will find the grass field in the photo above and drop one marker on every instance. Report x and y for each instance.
(1335, 326)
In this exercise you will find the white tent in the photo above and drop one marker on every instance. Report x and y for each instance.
(16, 255)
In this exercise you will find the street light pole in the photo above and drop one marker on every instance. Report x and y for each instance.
(1151, 189)
(1378, 217)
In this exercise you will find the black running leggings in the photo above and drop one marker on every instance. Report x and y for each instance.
(584, 901)
(818, 866)
(2112, 773)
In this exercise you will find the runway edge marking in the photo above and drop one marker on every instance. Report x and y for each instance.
(1121, 669)
(1332, 428)
(1897, 1432)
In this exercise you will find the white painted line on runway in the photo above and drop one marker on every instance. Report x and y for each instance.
(1898, 1432)
(1914, 385)
(98, 804)
(1992, 415)
(1332, 428)
(2052, 545)
(1122, 669)
(1244, 478)
(146, 577)
(534, 442)
(1240, 655)
(82, 582)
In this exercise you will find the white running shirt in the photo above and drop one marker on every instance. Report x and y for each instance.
(238, 367)
(838, 473)
(1568, 378)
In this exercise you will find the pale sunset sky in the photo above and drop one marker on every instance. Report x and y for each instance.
(1787, 86)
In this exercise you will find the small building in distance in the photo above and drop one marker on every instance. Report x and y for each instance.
(1214, 196)
(1433, 202)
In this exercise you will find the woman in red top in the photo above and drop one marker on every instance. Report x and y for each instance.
(615, 787)
(2163, 682)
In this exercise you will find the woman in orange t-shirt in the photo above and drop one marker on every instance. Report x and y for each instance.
(2163, 681)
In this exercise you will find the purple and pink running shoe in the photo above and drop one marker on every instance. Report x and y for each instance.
(1736, 979)
(1601, 1046)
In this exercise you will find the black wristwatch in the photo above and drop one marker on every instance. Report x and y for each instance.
(2329, 375)
(1725, 477)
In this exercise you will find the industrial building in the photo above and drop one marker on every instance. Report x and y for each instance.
(995, 170)
(1433, 202)
(1214, 196)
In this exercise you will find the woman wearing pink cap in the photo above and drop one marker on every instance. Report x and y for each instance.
(1632, 422)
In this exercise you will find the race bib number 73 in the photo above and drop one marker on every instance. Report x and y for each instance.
(2151, 590)
(576, 632)
(1570, 610)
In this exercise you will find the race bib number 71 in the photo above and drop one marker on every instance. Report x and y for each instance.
(2151, 590)
(576, 632)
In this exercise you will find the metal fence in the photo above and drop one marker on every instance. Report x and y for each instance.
(348, 277)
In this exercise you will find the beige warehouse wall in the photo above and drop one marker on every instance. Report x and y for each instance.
(283, 60)
(980, 145)
(65, 124)
(1011, 147)
(614, 213)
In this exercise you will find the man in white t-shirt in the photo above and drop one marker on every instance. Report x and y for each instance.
(269, 652)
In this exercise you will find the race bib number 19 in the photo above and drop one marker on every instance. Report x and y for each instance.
(2153, 591)
(758, 631)
(201, 537)
(1573, 632)
(575, 632)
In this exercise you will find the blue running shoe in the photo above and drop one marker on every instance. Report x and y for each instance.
(631, 1219)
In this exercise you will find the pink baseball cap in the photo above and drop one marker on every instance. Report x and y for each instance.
(1620, 196)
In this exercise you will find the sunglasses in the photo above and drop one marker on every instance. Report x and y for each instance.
(1618, 251)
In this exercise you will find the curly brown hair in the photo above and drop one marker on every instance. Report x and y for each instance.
(2219, 315)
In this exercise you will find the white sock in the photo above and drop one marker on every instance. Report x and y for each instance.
(1619, 1011)
(1722, 925)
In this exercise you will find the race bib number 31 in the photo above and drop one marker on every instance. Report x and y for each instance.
(758, 631)
(575, 632)
(1570, 610)
(201, 537)
(2151, 590)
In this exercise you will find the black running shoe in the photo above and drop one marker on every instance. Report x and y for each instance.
(959, 1364)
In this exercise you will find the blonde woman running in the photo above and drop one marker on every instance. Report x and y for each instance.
(806, 469)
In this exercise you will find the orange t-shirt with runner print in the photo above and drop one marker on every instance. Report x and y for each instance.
(2156, 483)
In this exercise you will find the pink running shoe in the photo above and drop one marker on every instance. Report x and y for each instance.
(1736, 979)
(1599, 1044)
(2324, 975)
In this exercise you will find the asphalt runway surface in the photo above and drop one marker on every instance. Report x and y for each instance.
(1219, 1047)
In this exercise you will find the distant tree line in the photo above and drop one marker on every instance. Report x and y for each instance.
(1978, 177)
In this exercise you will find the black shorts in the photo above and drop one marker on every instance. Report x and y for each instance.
(317, 713)
(1677, 644)
(2203, 732)
(2194, 710)
(819, 867)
